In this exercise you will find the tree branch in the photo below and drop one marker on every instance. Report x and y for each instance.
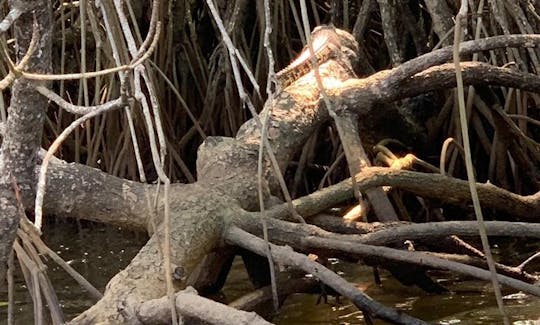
(287, 256)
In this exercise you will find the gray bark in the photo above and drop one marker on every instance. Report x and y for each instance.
(22, 139)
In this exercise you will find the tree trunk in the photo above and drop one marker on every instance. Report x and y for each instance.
(22, 139)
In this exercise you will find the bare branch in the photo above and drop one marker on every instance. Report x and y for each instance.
(418, 258)
(71, 76)
(418, 64)
(8, 20)
(80, 110)
(40, 191)
(444, 188)
(478, 73)
(287, 256)
(430, 230)
(189, 303)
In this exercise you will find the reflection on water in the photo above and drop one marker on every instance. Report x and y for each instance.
(98, 252)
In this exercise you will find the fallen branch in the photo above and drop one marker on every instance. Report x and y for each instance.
(287, 256)
(418, 258)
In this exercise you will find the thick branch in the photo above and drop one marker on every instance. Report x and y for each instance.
(452, 190)
(423, 62)
(443, 188)
(383, 87)
(190, 304)
(474, 73)
(79, 191)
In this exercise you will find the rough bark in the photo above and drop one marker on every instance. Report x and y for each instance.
(22, 139)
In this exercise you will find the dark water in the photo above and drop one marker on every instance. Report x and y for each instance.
(470, 303)
(98, 252)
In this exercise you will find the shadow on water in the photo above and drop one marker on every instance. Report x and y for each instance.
(98, 252)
